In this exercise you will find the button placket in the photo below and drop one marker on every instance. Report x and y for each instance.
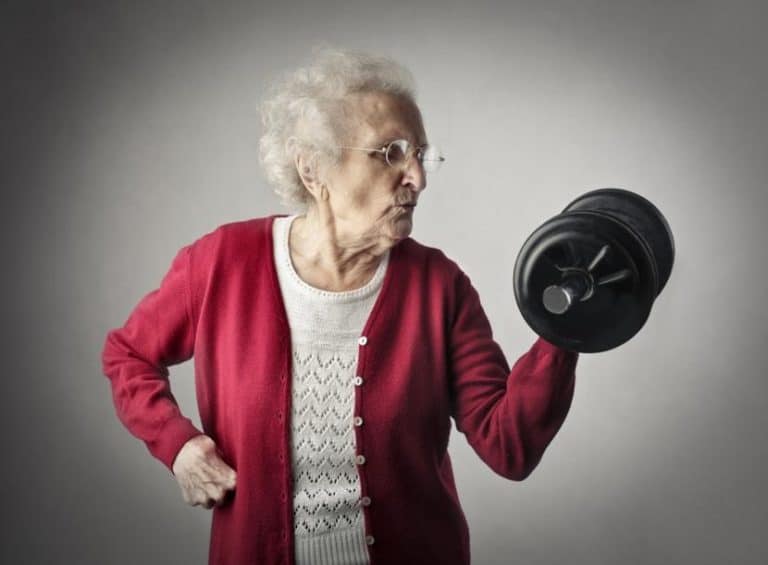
(365, 501)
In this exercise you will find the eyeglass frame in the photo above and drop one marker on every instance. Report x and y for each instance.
(412, 149)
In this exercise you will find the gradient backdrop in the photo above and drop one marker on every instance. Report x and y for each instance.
(131, 128)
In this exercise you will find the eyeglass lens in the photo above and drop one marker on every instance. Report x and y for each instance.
(399, 151)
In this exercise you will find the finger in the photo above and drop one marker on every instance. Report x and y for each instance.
(216, 474)
(197, 497)
(197, 487)
(214, 492)
(214, 460)
(190, 481)
(189, 492)
(230, 479)
(207, 480)
(223, 472)
(220, 482)
(206, 498)
(198, 484)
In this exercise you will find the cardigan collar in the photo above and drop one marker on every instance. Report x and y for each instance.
(383, 297)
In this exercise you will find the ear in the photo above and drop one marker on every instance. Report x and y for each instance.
(307, 169)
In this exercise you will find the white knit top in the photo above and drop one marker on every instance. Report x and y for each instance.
(325, 327)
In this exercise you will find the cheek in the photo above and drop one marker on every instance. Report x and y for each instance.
(361, 191)
(374, 193)
(367, 191)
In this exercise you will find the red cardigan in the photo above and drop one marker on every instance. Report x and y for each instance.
(428, 356)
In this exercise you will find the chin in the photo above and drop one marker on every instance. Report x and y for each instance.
(401, 228)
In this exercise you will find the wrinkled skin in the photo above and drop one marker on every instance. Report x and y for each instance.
(203, 476)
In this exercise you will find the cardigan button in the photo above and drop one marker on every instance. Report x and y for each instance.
(363, 340)
(365, 501)
(369, 540)
(358, 380)
(360, 459)
(358, 421)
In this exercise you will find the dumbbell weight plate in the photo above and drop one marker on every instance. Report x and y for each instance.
(616, 311)
(641, 215)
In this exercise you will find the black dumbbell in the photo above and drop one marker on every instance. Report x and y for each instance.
(586, 279)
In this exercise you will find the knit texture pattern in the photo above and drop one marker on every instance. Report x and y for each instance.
(325, 327)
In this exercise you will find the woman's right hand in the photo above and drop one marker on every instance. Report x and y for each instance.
(202, 474)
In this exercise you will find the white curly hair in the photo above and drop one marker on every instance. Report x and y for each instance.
(305, 111)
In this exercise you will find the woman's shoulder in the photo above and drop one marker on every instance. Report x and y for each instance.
(231, 238)
(432, 258)
(247, 228)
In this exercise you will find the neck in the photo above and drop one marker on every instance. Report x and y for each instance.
(331, 253)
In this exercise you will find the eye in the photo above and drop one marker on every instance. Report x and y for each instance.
(397, 151)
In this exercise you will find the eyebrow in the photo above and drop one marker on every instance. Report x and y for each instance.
(384, 140)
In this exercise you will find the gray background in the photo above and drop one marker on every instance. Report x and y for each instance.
(130, 128)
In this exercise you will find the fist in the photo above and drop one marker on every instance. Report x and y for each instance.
(203, 476)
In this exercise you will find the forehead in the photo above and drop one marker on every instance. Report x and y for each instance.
(379, 117)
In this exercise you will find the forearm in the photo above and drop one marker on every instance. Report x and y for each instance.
(535, 404)
(158, 333)
(143, 399)
(509, 418)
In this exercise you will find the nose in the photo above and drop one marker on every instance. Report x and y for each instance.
(414, 176)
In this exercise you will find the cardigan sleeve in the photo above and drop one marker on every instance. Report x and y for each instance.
(157, 334)
(508, 417)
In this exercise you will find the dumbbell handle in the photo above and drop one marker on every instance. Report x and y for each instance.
(558, 298)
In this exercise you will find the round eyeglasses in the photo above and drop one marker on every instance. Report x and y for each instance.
(398, 153)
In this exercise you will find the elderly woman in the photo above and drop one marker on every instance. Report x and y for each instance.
(331, 349)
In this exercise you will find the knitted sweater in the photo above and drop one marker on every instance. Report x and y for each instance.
(327, 501)
(426, 355)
